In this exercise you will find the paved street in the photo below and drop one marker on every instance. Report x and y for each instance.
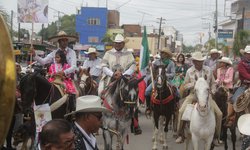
(144, 142)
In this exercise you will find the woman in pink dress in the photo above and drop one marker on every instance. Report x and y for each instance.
(61, 65)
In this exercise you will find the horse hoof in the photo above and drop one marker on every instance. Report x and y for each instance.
(165, 147)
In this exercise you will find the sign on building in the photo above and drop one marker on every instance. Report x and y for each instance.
(225, 33)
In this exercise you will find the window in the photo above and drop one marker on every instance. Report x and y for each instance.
(93, 39)
(94, 21)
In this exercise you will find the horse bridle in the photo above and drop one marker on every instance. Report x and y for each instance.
(128, 102)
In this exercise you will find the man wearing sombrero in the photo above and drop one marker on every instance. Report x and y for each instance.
(62, 38)
(244, 73)
(93, 63)
(198, 70)
(165, 59)
(116, 62)
(212, 61)
(88, 119)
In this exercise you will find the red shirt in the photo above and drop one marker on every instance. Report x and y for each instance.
(244, 70)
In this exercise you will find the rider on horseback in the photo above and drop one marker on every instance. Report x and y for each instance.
(165, 54)
(117, 62)
(197, 70)
(93, 63)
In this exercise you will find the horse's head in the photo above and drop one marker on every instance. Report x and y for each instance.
(28, 91)
(32, 85)
(160, 76)
(201, 92)
(220, 95)
(129, 90)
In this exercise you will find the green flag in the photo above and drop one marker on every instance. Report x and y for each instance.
(144, 53)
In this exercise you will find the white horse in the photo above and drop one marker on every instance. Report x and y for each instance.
(202, 122)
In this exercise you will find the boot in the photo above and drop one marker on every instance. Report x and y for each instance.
(148, 105)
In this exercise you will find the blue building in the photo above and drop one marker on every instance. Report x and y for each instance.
(91, 24)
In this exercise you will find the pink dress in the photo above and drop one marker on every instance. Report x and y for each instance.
(54, 68)
(225, 76)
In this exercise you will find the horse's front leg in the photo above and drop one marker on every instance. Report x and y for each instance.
(208, 142)
(107, 140)
(161, 129)
(25, 145)
(195, 141)
(155, 134)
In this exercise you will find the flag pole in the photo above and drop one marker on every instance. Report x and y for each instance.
(31, 41)
(152, 77)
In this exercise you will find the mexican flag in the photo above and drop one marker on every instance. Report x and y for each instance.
(144, 52)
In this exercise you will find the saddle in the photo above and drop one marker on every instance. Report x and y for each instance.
(59, 85)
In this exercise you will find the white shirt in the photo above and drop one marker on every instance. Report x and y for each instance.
(190, 77)
(90, 137)
(94, 65)
(123, 58)
(50, 58)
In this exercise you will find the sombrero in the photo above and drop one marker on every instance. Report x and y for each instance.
(242, 101)
(63, 35)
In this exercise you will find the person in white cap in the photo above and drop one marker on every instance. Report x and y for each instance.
(244, 74)
(212, 61)
(62, 38)
(225, 74)
(93, 63)
(199, 70)
(244, 128)
(88, 120)
(116, 62)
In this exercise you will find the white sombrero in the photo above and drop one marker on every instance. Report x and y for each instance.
(92, 50)
(88, 103)
(247, 49)
(120, 38)
(62, 35)
(225, 60)
(198, 56)
(214, 51)
(244, 124)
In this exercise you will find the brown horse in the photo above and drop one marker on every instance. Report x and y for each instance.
(87, 86)
(221, 97)
(163, 101)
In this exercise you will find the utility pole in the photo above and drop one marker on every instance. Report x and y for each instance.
(11, 25)
(243, 17)
(19, 34)
(159, 35)
(216, 24)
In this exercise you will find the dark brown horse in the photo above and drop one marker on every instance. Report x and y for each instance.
(36, 89)
(221, 98)
(163, 101)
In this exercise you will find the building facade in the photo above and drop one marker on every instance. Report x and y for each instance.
(91, 25)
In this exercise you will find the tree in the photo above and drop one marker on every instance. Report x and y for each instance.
(240, 41)
(187, 49)
(67, 25)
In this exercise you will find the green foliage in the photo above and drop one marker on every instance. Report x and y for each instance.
(107, 38)
(188, 49)
(67, 25)
(241, 39)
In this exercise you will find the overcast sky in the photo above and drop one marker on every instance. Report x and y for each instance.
(189, 17)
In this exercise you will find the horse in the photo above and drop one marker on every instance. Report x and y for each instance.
(221, 97)
(37, 89)
(163, 103)
(87, 86)
(202, 121)
(121, 99)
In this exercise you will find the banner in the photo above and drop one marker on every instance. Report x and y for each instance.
(32, 11)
